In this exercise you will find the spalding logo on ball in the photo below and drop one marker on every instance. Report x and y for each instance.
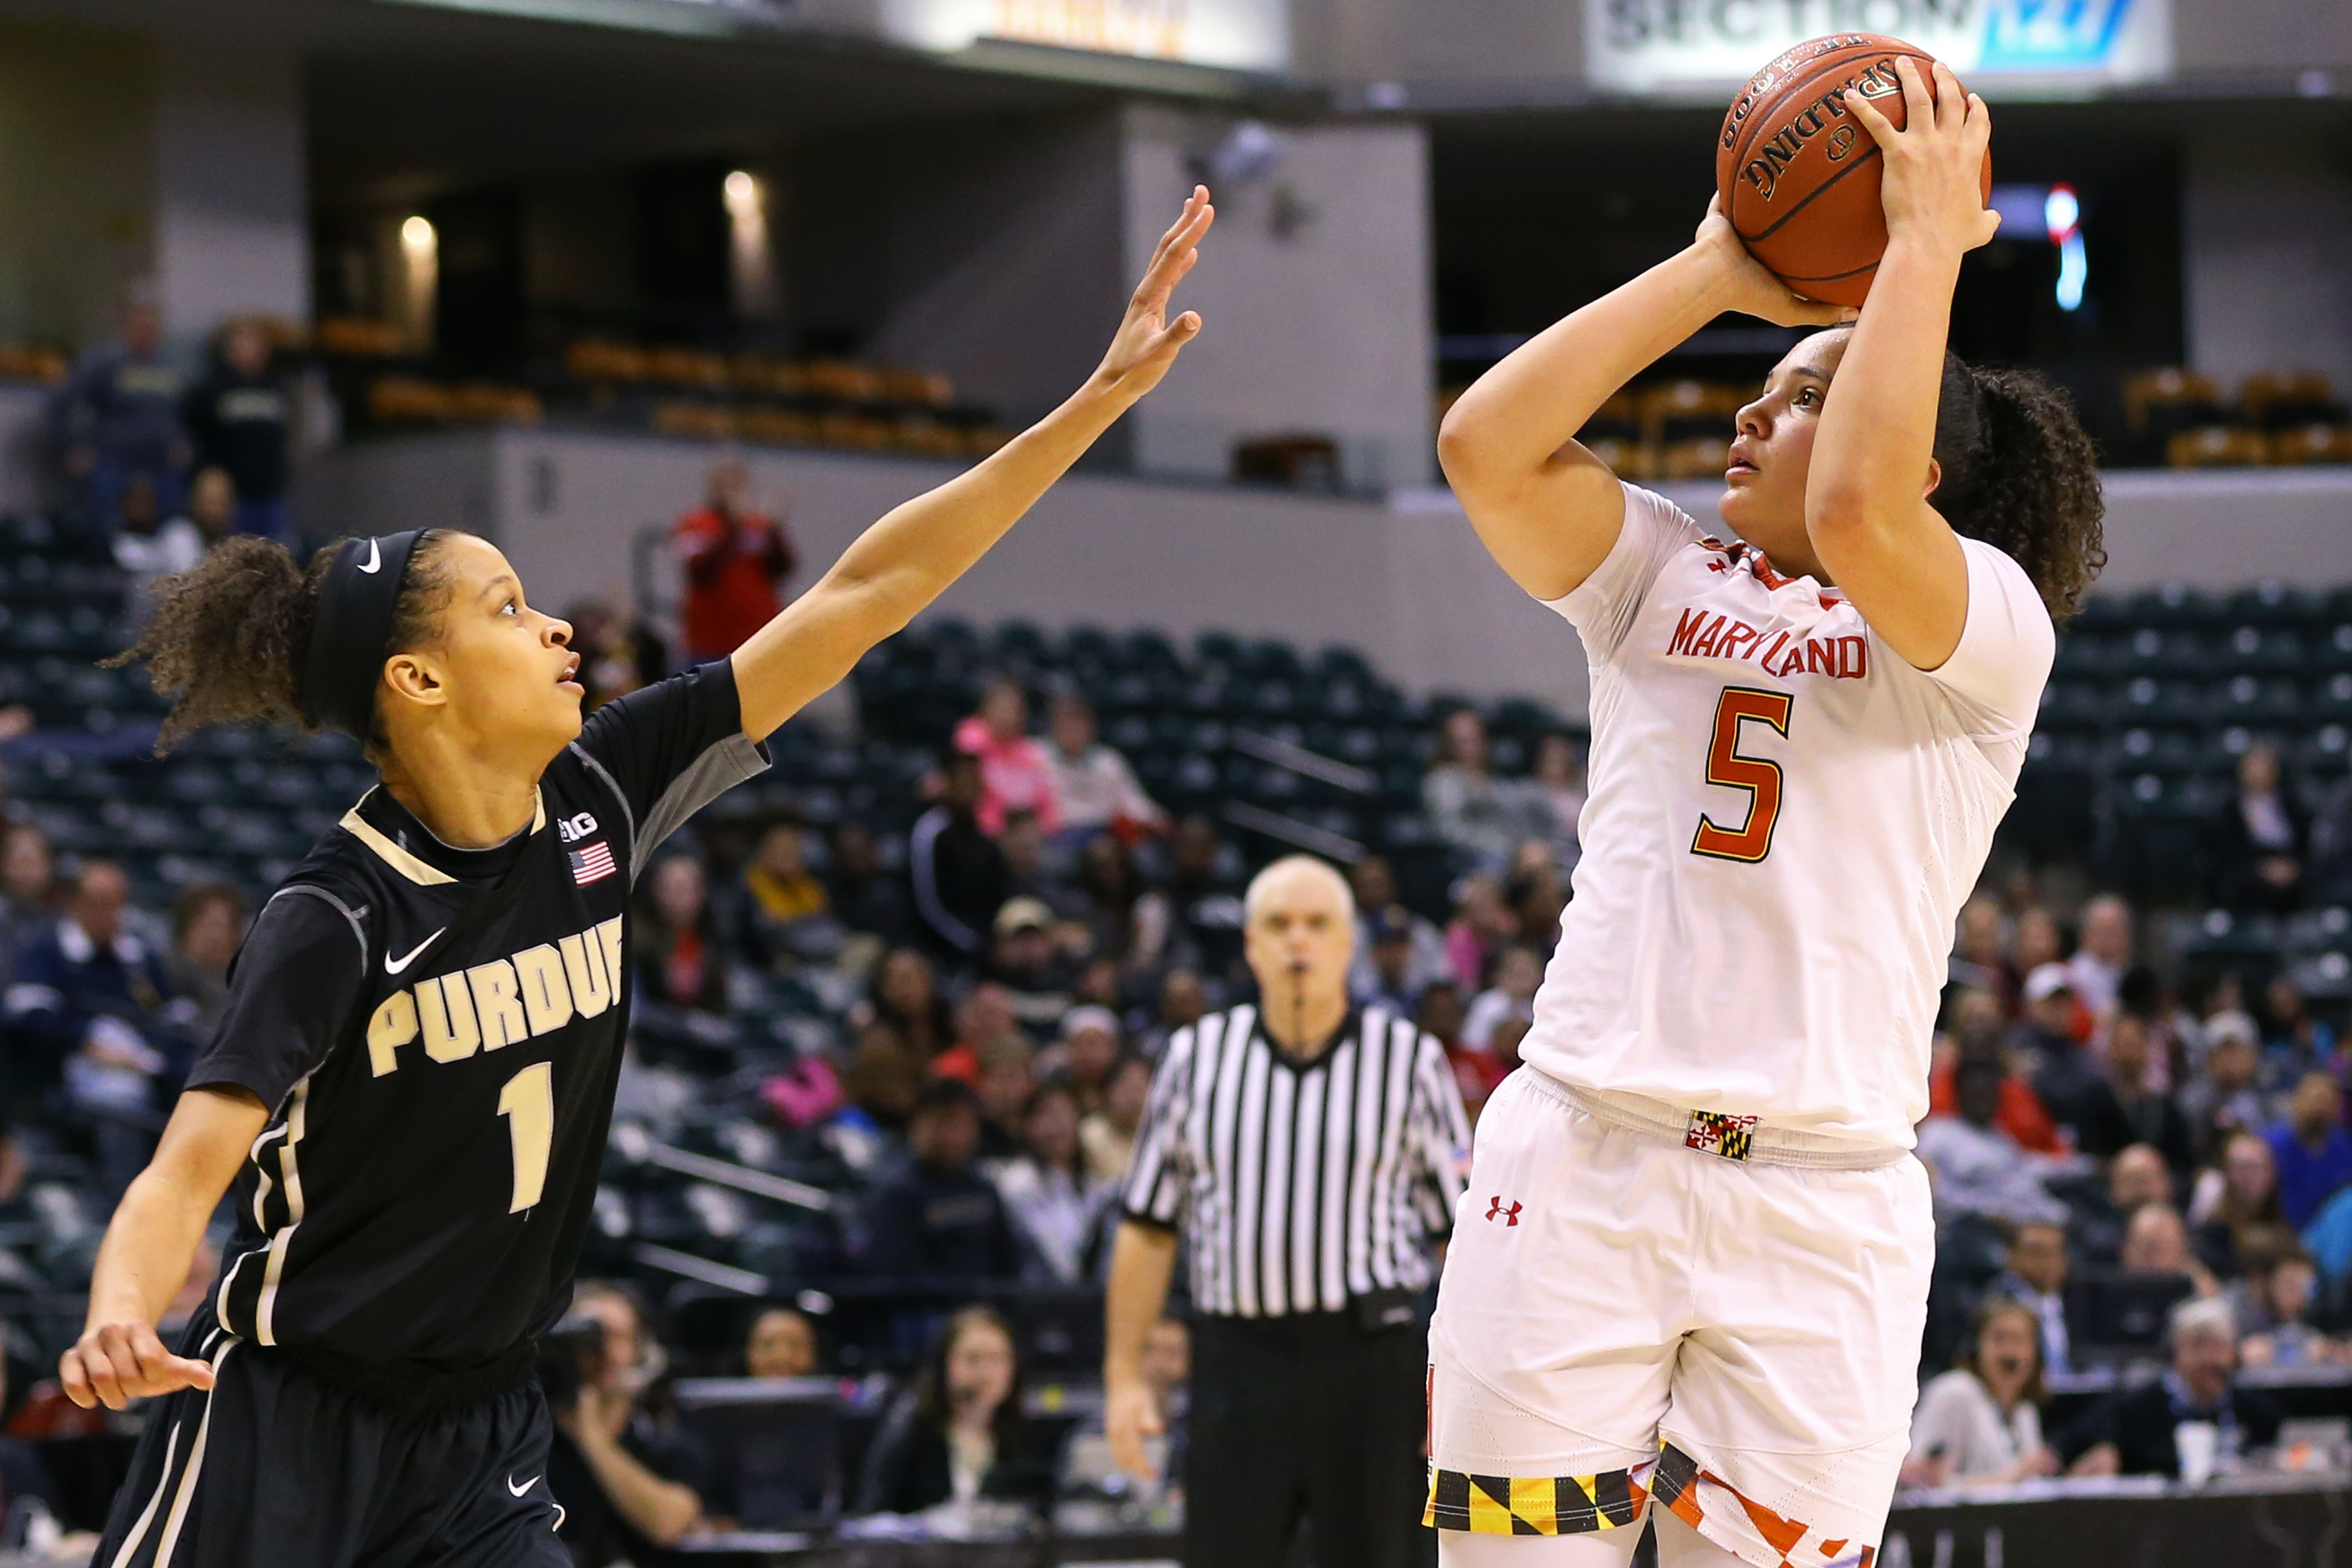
(1798, 175)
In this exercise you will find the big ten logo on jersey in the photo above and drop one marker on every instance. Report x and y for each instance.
(571, 829)
(1701, 634)
(487, 1006)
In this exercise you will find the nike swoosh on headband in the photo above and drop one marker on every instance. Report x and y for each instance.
(394, 965)
(375, 561)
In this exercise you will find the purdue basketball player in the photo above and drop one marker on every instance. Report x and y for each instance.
(412, 1084)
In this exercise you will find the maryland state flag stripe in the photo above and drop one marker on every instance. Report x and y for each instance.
(1533, 1505)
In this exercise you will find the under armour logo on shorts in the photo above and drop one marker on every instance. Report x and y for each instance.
(1508, 1214)
(1712, 1133)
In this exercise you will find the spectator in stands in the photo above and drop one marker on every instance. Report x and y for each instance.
(2131, 1112)
(866, 898)
(117, 414)
(2313, 1150)
(1517, 971)
(879, 1085)
(1029, 871)
(1554, 800)
(1090, 1049)
(1053, 1198)
(2135, 1178)
(906, 1001)
(1979, 1168)
(959, 874)
(1206, 912)
(1125, 921)
(1015, 775)
(2106, 952)
(1979, 961)
(1980, 1422)
(2157, 1242)
(1093, 783)
(679, 958)
(982, 1018)
(1025, 961)
(240, 421)
(1535, 895)
(2066, 1076)
(960, 1434)
(93, 1005)
(2236, 1199)
(783, 914)
(2331, 844)
(1977, 1023)
(1007, 1076)
(735, 560)
(2188, 1424)
(1107, 1135)
(28, 891)
(207, 927)
(1373, 880)
(1167, 1368)
(940, 1217)
(2036, 1279)
(2258, 840)
(1482, 926)
(1184, 1003)
(619, 652)
(2272, 1304)
(630, 1487)
(1385, 977)
(25, 1479)
(2294, 1042)
(148, 549)
(2224, 1099)
(1470, 809)
(782, 1343)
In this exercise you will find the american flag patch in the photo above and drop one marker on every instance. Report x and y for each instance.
(593, 864)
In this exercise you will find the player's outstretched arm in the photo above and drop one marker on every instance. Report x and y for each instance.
(1547, 509)
(1866, 509)
(149, 1247)
(907, 559)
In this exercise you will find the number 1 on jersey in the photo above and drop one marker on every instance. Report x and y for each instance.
(528, 1103)
(1761, 777)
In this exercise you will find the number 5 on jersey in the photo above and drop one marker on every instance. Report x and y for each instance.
(1761, 777)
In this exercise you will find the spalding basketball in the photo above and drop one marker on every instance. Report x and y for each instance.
(1799, 174)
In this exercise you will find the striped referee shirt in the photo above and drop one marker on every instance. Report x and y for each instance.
(1299, 1186)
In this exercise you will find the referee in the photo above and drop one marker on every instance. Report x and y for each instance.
(1311, 1155)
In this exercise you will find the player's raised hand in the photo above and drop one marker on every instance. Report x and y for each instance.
(115, 1363)
(1749, 289)
(1148, 342)
(1932, 187)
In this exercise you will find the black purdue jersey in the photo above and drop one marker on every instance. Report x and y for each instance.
(439, 1034)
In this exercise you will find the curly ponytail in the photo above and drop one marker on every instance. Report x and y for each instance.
(2021, 474)
(230, 635)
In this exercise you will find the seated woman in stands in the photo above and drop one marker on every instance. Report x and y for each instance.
(1980, 1422)
(958, 1434)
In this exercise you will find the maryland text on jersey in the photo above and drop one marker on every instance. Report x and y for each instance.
(485, 1006)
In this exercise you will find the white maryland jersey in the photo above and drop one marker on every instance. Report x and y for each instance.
(1783, 819)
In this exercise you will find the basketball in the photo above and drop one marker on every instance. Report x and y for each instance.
(1798, 175)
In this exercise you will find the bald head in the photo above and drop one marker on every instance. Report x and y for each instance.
(1301, 933)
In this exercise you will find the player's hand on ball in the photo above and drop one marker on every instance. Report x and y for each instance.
(1752, 291)
(1148, 342)
(1932, 187)
(115, 1363)
(1130, 1416)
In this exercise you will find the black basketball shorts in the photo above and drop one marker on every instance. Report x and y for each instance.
(273, 1469)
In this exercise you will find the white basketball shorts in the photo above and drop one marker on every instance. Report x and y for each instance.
(1624, 1316)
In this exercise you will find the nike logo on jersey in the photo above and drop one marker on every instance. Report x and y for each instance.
(375, 561)
(394, 965)
(518, 1490)
(483, 1007)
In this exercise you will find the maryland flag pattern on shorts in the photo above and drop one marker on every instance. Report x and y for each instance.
(1542, 1505)
(1748, 1529)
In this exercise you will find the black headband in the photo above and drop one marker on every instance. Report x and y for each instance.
(350, 632)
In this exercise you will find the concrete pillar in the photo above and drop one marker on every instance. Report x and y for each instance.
(232, 227)
(1315, 291)
(2267, 224)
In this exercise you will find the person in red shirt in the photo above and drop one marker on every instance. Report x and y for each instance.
(735, 560)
